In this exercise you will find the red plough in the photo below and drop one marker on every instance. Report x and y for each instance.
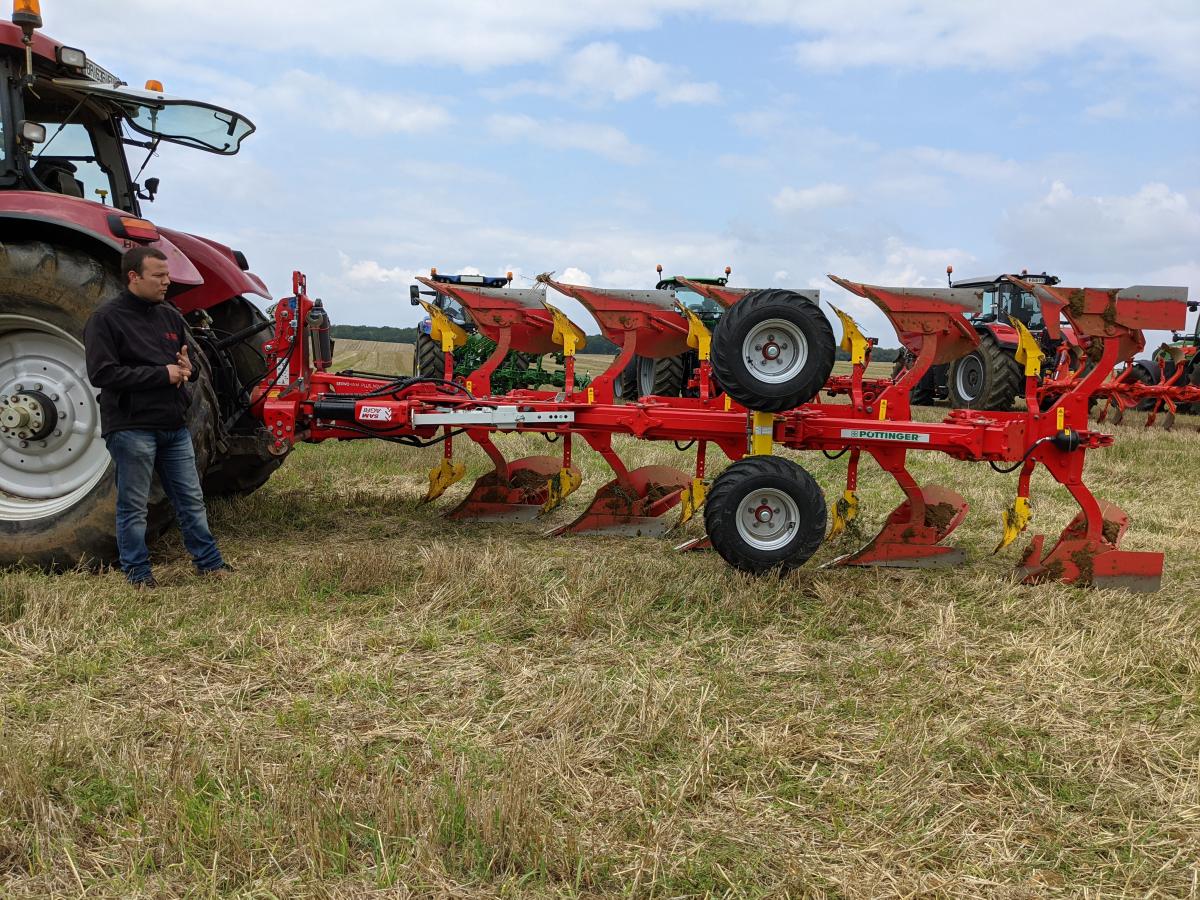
(772, 352)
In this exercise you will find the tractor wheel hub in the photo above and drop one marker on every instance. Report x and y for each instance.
(27, 416)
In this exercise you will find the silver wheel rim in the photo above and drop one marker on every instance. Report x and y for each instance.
(767, 519)
(969, 377)
(775, 351)
(46, 476)
(647, 369)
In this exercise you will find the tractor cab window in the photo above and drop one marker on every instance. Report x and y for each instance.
(1021, 305)
(708, 310)
(989, 302)
(67, 164)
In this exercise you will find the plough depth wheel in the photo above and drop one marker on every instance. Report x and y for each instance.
(773, 351)
(765, 512)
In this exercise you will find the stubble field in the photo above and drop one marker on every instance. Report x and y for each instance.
(383, 703)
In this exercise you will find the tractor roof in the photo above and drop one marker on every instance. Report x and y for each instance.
(46, 48)
(481, 280)
(673, 281)
(985, 280)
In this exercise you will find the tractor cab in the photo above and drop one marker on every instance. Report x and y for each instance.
(707, 309)
(1002, 299)
(452, 308)
(67, 124)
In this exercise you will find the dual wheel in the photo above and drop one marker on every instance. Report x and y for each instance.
(772, 351)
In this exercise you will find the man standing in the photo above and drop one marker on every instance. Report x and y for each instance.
(137, 356)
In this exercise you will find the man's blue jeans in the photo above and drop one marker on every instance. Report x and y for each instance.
(139, 454)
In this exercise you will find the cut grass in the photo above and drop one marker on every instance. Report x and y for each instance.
(385, 703)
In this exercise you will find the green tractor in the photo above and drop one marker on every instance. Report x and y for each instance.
(518, 371)
(672, 375)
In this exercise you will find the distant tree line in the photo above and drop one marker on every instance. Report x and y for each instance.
(596, 343)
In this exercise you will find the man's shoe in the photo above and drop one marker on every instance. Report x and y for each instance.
(144, 584)
(222, 571)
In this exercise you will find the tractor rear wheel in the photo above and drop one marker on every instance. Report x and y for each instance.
(57, 481)
(773, 350)
(765, 512)
(659, 377)
(248, 465)
(986, 378)
(926, 390)
(1145, 371)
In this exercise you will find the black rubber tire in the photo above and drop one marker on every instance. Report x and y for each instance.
(61, 287)
(738, 322)
(428, 359)
(625, 385)
(737, 485)
(1145, 371)
(238, 474)
(658, 377)
(1001, 379)
(925, 392)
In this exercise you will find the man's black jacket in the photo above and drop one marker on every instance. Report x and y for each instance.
(129, 343)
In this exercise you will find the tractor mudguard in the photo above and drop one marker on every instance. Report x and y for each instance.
(218, 267)
(75, 222)
(1005, 335)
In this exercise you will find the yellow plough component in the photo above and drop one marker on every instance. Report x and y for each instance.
(566, 332)
(762, 434)
(1016, 519)
(845, 511)
(691, 500)
(443, 329)
(560, 487)
(699, 338)
(441, 476)
(853, 340)
(1029, 353)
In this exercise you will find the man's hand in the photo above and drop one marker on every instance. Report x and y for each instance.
(178, 374)
(181, 360)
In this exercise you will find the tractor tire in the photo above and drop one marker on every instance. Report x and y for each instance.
(987, 378)
(925, 392)
(659, 377)
(625, 385)
(429, 361)
(240, 473)
(58, 494)
(1145, 371)
(764, 513)
(773, 350)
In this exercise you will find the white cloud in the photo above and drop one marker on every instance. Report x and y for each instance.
(347, 109)
(1116, 108)
(603, 71)
(931, 34)
(967, 165)
(1152, 228)
(482, 34)
(556, 134)
(819, 196)
(369, 272)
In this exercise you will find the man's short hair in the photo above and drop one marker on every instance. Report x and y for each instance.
(134, 260)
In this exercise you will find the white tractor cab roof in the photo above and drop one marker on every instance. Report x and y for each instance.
(192, 123)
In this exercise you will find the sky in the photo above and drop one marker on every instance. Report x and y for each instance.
(879, 140)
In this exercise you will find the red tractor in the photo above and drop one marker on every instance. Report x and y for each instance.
(990, 376)
(74, 140)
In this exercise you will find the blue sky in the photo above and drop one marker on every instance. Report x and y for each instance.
(879, 141)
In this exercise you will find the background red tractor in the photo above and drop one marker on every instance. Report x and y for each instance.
(990, 377)
(70, 204)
